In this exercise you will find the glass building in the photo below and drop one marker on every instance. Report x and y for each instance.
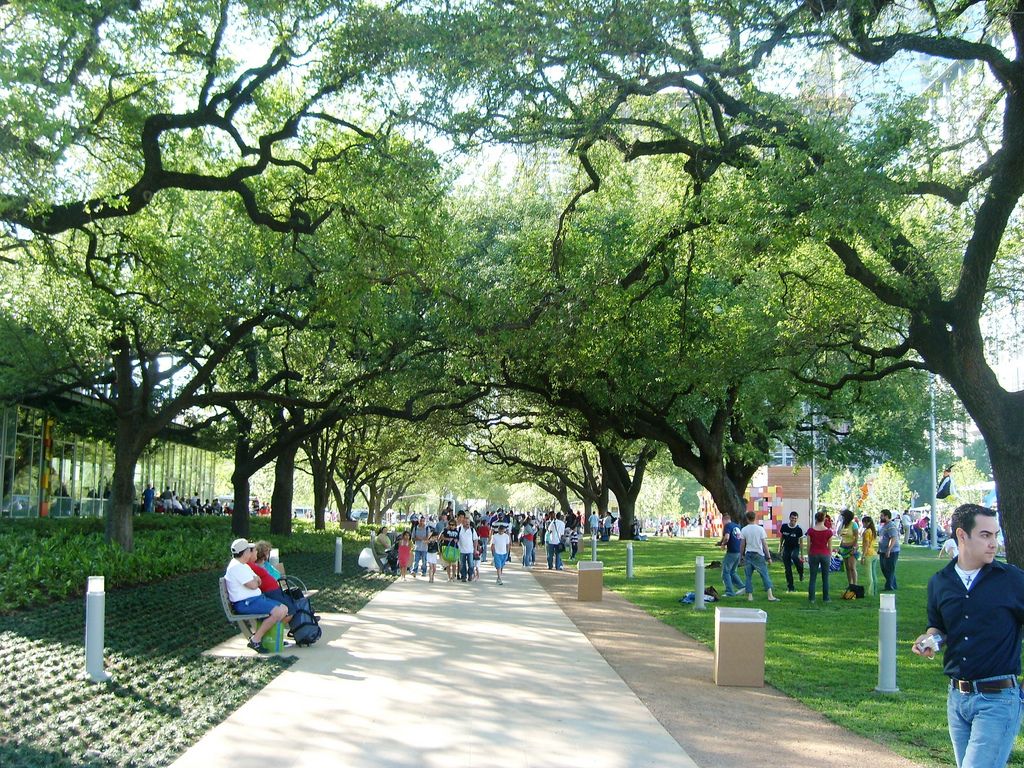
(48, 471)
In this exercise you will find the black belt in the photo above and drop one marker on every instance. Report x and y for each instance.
(986, 686)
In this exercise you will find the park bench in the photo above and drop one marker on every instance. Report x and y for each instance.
(247, 623)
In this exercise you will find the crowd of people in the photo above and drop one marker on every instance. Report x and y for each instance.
(460, 542)
(862, 544)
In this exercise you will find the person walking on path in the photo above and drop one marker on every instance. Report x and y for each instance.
(483, 532)
(554, 530)
(528, 536)
(467, 545)
(433, 555)
(500, 544)
(888, 549)
(404, 553)
(975, 610)
(792, 549)
(869, 552)
(819, 553)
(449, 543)
(755, 550)
(732, 542)
(420, 534)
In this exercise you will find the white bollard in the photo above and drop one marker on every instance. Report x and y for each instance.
(629, 560)
(887, 645)
(95, 616)
(698, 593)
(274, 557)
(593, 547)
(337, 554)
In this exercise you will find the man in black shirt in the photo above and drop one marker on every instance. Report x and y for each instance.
(792, 544)
(975, 610)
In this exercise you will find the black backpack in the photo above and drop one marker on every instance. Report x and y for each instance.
(305, 625)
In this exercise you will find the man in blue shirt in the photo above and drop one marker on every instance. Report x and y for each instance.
(975, 611)
(732, 540)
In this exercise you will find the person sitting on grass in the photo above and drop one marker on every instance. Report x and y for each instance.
(243, 587)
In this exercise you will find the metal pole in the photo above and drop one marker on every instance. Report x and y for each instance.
(95, 615)
(629, 560)
(698, 593)
(593, 547)
(337, 554)
(887, 645)
(935, 473)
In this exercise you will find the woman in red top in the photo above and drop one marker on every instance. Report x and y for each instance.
(819, 554)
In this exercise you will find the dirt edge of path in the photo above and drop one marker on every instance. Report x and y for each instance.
(671, 673)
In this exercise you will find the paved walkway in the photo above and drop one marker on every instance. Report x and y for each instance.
(481, 675)
(445, 675)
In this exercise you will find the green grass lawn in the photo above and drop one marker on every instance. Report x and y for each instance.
(826, 655)
(164, 694)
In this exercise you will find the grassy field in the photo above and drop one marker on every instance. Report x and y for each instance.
(164, 694)
(826, 655)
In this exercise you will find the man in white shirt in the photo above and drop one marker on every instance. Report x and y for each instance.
(500, 543)
(757, 556)
(554, 529)
(467, 544)
(243, 586)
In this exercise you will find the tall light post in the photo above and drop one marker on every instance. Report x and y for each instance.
(935, 470)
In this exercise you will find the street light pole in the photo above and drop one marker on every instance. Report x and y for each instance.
(935, 470)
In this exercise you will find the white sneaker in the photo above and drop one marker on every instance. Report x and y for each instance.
(741, 591)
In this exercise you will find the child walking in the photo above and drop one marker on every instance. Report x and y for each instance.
(404, 554)
(500, 544)
(433, 555)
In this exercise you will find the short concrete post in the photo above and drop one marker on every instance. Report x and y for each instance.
(274, 557)
(698, 592)
(95, 617)
(593, 547)
(337, 554)
(887, 645)
(629, 560)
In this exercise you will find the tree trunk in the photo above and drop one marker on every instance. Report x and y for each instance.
(240, 488)
(625, 488)
(339, 500)
(284, 488)
(1006, 469)
(320, 499)
(119, 523)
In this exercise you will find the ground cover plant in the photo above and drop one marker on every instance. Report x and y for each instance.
(164, 694)
(44, 560)
(825, 655)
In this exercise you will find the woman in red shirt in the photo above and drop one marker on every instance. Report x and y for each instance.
(819, 554)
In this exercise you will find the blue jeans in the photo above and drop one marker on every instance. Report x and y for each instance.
(888, 565)
(483, 548)
(818, 563)
(755, 562)
(983, 726)
(730, 576)
(465, 565)
(554, 557)
(528, 553)
(420, 560)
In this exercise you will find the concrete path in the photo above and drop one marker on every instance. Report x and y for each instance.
(672, 675)
(444, 675)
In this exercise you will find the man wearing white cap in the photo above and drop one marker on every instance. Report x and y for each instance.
(243, 587)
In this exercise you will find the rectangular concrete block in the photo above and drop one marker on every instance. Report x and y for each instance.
(739, 646)
(590, 586)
